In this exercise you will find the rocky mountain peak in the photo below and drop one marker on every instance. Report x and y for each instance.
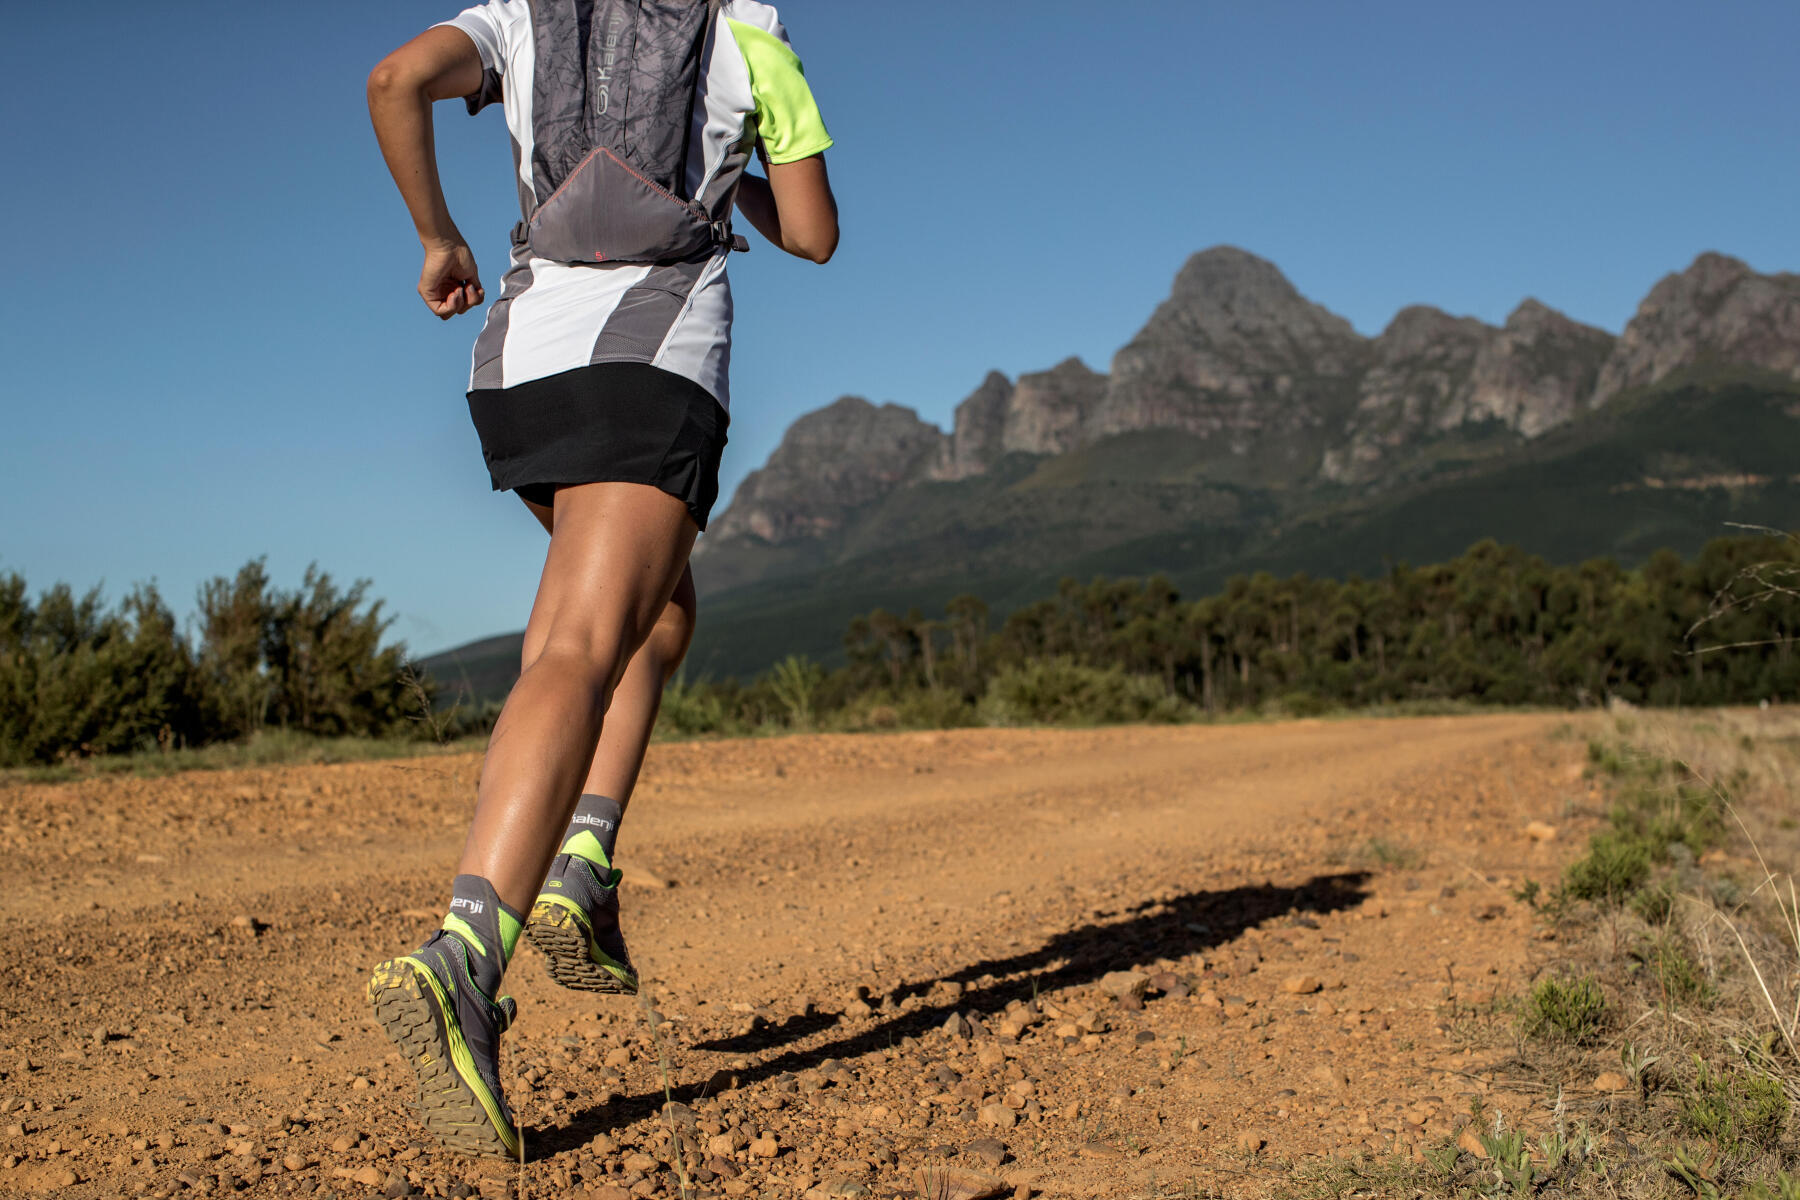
(1278, 391)
(1235, 353)
(1719, 309)
(979, 429)
(1434, 372)
(1419, 328)
(1050, 409)
(1421, 368)
(1232, 297)
(829, 463)
(1533, 314)
(1534, 373)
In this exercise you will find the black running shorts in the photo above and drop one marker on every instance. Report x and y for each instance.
(610, 422)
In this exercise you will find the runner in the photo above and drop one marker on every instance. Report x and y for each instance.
(599, 391)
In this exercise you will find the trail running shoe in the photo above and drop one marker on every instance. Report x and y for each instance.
(575, 922)
(449, 1031)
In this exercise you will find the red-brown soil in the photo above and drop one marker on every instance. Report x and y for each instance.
(181, 1002)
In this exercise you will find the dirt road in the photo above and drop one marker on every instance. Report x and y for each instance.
(870, 958)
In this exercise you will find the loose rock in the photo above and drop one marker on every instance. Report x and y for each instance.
(1120, 984)
(997, 1116)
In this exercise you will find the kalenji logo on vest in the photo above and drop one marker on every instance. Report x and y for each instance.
(474, 906)
(582, 819)
(604, 75)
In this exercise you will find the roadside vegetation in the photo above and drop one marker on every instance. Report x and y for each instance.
(278, 675)
(1495, 627)
(1661, 1032)
(305, 674)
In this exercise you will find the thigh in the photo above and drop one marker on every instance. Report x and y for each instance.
(544, 513)
(617, 553)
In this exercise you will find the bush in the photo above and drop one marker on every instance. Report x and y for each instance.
(795, 682)
(1615, 866)
(1664, 814)
(1303, 703)
(1567, 1010)
(1060, 691)
(1656, 905)
(1673, 973)
(77, 680)
(1783, 1187)
(1734, 1106)
(690, 710)
(934, 708)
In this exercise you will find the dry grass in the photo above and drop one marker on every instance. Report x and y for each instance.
(1675, 964)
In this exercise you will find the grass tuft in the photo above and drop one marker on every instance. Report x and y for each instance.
(1573, 1011)
(1728, 1106)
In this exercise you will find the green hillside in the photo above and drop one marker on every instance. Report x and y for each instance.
(1577, 493)
(1669, 468)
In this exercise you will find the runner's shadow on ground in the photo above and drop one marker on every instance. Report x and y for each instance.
(1150, 931)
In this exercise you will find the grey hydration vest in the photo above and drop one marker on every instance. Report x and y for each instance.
(613, 93)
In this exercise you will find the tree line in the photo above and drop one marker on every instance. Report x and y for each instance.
(78, 678)
(1494, 626)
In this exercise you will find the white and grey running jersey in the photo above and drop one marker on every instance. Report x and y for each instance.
(552, 317)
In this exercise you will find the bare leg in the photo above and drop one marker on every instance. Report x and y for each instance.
(617, 552)
(632, 715)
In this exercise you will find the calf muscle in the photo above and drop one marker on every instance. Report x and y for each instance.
(617, 553)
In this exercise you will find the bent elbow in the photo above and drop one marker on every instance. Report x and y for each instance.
(395, 76)
(385, 78)
(821, 250)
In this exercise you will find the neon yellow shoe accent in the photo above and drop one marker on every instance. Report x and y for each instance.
(510, 929)
(585, 845)
(466, 931)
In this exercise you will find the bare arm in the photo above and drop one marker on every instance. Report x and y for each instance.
(439, 64)
(793, 207)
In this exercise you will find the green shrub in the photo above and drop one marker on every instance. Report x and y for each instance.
(1655, 904)
(934, 708)
(1782, 1187)
(1060, 691)
(1605, 759)
(796, 681)
(78, 680)
(1566, 1010)
(1663, 813)
(1673, 973)
(1615, 866)
(690, 710)
(1303, 703)
(1733, 1106)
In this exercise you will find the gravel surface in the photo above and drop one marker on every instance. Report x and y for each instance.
(1123, 962)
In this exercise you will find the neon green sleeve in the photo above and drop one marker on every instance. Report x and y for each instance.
(787, 118)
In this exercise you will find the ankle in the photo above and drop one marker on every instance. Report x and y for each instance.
(594, 829)
(487, 927)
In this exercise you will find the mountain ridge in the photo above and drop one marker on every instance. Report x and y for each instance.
(1280, 391)
(1246, 427)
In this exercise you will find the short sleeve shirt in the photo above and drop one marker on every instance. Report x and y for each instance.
(549, 316)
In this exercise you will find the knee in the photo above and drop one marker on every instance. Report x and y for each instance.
(597, 663)
(669, 639)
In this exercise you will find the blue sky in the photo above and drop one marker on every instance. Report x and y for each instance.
(213, 349)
